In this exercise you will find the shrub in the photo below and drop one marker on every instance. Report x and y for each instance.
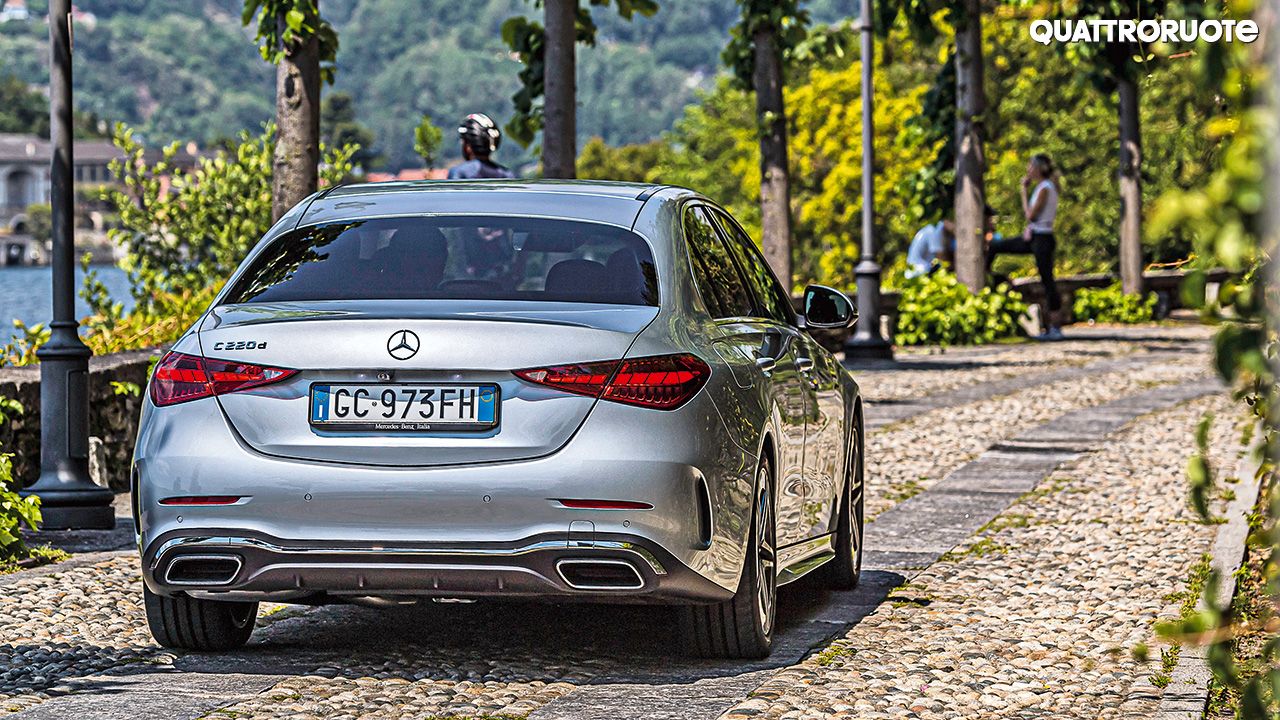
(15, 510)
(938, 309)
(1112, 305)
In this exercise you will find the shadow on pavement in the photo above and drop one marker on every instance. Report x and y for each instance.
(517, 641)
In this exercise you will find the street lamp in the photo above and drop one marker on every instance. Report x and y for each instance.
(867, 343)
(68, 497)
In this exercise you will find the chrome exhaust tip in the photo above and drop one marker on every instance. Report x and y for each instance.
(599, 574)
(202, 570)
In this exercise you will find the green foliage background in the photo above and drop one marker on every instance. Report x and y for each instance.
(188, 70)
(1039, 103)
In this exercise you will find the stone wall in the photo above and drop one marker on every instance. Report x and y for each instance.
(113, 417)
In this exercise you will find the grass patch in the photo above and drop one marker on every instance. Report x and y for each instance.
(1049, 486)
(1188, 599)
(981, 548)
(906, 490)
(832, 654)
(43, 555)
(1005, 521)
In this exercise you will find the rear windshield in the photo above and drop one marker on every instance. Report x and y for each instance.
(468, 258)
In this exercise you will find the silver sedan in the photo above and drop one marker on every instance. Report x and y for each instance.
(549, 390)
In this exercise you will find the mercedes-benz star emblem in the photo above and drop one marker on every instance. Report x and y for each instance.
(403, 344)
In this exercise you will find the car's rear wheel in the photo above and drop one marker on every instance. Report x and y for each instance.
(843, 570)
(742, 627)
(189, 623)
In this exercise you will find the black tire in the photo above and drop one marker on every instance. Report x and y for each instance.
(742, 627)
(187, 623)
(842, 571)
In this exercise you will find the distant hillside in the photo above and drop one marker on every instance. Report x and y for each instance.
(187, 70)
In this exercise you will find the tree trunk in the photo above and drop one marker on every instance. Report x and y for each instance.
(296, 163)
(971, 103)
(1130, 188)
(775, 179)
(559, 129)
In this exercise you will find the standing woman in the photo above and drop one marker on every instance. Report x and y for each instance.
(1040, 189)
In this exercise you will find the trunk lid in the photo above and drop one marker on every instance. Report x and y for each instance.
(459, 342)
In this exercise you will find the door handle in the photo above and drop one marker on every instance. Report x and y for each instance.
(765, 363)
(804, 364)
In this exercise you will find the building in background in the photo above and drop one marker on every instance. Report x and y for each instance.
(24, 192)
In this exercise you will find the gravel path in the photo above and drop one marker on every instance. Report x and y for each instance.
(1120, 508)
(906, 458)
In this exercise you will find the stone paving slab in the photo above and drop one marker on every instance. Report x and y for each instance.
(159, 695)
(883, 413)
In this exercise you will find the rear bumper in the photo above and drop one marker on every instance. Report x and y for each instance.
(238, 565)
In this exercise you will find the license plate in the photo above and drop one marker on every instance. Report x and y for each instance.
(404, 407)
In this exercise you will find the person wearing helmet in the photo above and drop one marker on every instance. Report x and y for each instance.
(480, 138)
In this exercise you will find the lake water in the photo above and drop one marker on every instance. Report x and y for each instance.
(26, 295)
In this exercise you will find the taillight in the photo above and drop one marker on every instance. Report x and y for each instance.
(663, 382)
(180, 377)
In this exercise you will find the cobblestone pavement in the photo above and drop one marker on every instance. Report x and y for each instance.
(1038, 611)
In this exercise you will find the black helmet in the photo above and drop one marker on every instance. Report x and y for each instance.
(480, 133)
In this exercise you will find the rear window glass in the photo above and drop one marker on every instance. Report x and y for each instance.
(469, 258)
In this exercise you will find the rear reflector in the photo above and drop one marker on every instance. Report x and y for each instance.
(604, 504)
(202, 500)
(662, 382)
(180, 377)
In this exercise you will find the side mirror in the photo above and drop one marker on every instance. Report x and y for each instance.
(827, 308)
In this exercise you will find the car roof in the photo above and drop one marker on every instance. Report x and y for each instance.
(616, 203)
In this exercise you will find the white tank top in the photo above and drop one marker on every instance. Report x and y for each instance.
(1043, 222)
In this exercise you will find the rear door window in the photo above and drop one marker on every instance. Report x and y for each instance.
(450, 257)
(719, 282)
(775, 304)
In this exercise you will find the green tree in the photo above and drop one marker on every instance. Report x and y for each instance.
(1117, 67)
(22, 110)
(759, 47)
(958, 133)
(548, 55)
(339, 128)
(427, 141)
(630, 163)
(186, 231)
(40, 222)
(970, 179)
(303, 46)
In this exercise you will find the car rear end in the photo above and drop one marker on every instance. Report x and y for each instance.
(449, 406)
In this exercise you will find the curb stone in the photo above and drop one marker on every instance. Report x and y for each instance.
(1187, 694)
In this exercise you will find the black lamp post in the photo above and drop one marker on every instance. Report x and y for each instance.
(68, 497)
(867, 343)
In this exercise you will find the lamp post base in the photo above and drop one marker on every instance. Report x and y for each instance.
(867, 343)
(878, 349)
(81, 508)
(69, 499)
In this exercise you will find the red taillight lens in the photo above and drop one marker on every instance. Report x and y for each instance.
(581, 378)
(180, 377)
(664, 382)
